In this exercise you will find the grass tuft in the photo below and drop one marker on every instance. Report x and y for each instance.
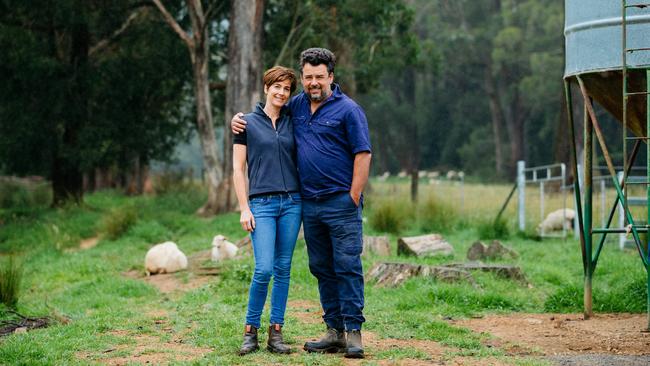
(436, 215)
(10, 278)
(118, 221)
(493, 229)
(390, 215)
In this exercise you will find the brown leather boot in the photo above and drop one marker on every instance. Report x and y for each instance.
(275, 343)
(355, 348)
(250, 343)
(333, 341)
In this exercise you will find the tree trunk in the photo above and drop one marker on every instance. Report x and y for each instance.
(213, 169)
(496, 115)
(198, 44)
(244, 84)
(67, 177)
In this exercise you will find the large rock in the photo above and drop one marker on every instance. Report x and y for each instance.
(496, 250)
(425, 245)
(379, 245)
(476, 251)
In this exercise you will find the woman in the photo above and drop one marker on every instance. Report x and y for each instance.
(271, 209)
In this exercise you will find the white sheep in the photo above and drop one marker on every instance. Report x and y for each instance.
(222, 249)
(557, 220)
(164, 258)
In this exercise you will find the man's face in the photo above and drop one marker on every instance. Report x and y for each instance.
(317, 82)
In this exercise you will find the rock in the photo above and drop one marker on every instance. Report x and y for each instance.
(476, 251)
(497, 250)
(20, 330)
(425, 245)
(379, 245)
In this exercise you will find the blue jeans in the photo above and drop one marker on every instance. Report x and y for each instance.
(333, 233)
(277, 222)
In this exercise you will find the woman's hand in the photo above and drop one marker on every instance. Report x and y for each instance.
(247, 220)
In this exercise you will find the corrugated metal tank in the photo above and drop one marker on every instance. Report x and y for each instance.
(594, 35)
(593, 44)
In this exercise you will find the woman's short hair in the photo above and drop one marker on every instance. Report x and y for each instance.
(280, 73)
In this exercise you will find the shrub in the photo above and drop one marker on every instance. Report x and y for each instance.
(118, 221)
(436, 215)
(10, 278)
(390, 216)
(172, 181)
(493, 229)
(15, 193)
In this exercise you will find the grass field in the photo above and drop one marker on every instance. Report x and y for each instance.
(106, 316)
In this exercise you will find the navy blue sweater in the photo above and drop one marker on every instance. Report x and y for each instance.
(270, 153)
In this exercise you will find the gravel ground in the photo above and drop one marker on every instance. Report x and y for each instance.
(600, 360)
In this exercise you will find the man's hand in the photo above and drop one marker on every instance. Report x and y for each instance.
(356, 197)
(237, 123)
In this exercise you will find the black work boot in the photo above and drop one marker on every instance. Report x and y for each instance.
(333, 341)
(275, 343)
(250, 343)
(355, 348)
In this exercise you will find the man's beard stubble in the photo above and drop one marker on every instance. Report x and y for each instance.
(317, 98)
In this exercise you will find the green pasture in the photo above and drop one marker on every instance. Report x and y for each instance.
(100, 313)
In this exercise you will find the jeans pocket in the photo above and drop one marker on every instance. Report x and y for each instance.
(349, 236)
(351, 200)
(259, 201)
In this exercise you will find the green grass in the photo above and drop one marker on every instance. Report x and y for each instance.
(107, 310)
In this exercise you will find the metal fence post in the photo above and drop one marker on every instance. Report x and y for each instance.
(521, 186)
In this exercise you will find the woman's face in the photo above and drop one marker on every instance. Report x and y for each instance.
(278, 93)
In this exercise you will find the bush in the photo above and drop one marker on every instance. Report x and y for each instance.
(493, 229)
(118, 222)
(170, 181)
(16, 193)
(390, 216)
(435, 215)
(10, 278)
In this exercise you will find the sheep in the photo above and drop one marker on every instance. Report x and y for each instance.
(222, 249)
(164, 258)
(555, 220)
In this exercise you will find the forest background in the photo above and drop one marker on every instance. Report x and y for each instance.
(94, 92)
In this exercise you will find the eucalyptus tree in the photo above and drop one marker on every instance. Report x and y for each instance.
(49, 51)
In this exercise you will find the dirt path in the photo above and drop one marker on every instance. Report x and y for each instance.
(566, 334)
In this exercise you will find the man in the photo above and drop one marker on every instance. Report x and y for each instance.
(333, 149)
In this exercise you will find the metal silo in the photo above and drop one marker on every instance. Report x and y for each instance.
(607, 46)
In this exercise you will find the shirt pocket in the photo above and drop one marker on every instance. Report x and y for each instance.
(327, 126)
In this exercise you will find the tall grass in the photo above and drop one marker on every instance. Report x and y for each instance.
(391, 215)
(15, 194)
(119, 221)
(435, 214)
(493, 229)
(10, 278)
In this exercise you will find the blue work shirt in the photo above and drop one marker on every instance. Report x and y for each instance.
(327, 142)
